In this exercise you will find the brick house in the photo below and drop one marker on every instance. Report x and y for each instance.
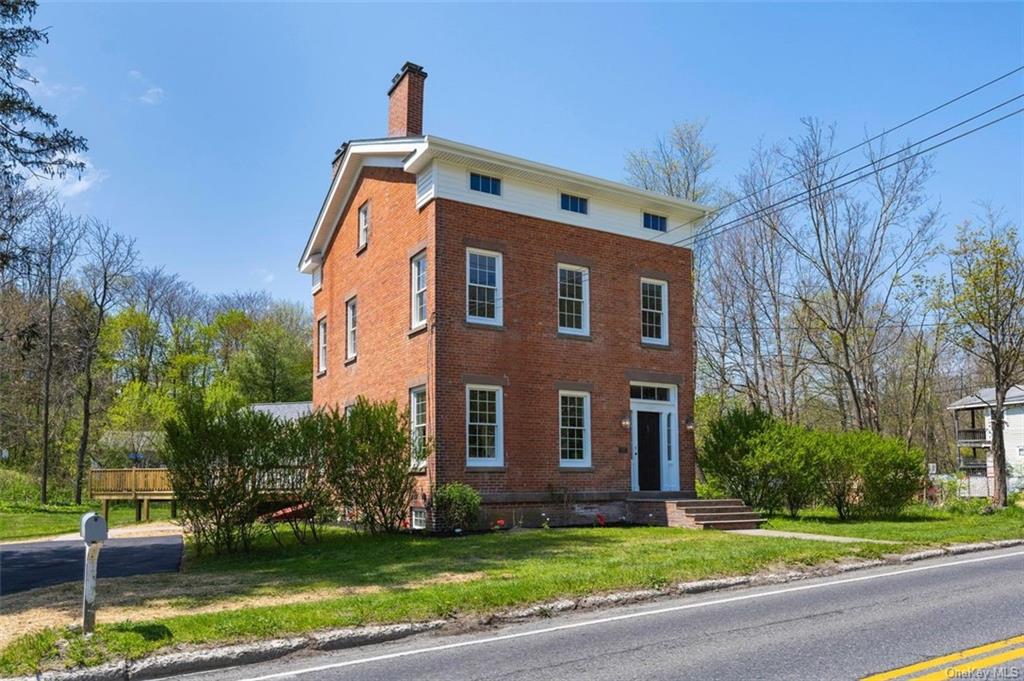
(535, 320)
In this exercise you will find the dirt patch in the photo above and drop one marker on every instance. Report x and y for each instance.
(161, 596)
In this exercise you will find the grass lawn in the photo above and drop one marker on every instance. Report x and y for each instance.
(919, 524)
(352, 579)
(23, 521)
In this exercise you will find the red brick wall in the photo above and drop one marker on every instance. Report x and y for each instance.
(389, 359)
(531, 359)
(405, 106)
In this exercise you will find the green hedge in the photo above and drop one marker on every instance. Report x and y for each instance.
(771, 465)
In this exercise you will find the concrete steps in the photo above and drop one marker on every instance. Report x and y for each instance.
(703, 514)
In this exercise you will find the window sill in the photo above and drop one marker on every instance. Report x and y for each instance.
(575, 336)
(362, 249)
(318, 289)
(321, 374)
(471, 468)
(469, 324)
(562, 468)
(655, 346)
(418, 470)
(351, 360)
(416, 330)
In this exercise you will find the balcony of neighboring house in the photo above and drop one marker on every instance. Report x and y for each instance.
(969, 426)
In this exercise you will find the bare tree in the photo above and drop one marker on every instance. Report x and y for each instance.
(677, 165)
(986, 305)
(856, 252)
(54, 249)
(104, 282)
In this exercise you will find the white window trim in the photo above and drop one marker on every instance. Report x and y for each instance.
(499, 428)
(585, 461)
(415, 321)
(318, 278)
(351, 329)
(364, 224)
(585, 331)
(419, 519)
(664, 312)
(421, 464)
(321, 348)
(499, 286)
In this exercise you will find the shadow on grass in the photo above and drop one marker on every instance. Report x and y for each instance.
(148, 632)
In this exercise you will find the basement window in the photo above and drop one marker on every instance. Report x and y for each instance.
(419, 518)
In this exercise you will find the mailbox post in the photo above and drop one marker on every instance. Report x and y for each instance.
(94, 533)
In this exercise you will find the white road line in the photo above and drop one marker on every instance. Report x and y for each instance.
(629, 616)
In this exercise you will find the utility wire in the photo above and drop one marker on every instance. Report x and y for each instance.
(828, 186)
(948, 102)
(736, 222)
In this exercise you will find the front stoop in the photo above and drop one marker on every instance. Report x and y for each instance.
(701, 514)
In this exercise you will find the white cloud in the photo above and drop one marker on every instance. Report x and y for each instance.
(153, 94)
(267, 276)
(42, 87)
(74, 182)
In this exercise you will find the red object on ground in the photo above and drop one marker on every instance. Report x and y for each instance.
(290, 513)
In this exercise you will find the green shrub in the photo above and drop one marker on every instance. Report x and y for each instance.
(729, 458)
(456, 506)
(371, 467)
(787, 453)
(17, 487)
(839, 457)
(309, 446)
(221, 464)
(891, 475)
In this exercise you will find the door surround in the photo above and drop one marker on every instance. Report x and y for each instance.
(669, 411)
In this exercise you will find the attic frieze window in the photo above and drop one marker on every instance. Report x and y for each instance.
(574, 204)
(485, 184)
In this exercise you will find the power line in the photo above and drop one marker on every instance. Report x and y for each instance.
(809, 193)
(905, 123)
(736, 222)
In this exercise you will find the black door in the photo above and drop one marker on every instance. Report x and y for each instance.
(648, 446)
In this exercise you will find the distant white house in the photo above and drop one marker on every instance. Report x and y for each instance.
(972, 420)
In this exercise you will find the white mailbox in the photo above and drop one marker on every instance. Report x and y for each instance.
(94, 528)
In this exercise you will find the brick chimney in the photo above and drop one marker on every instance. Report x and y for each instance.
(405, 102)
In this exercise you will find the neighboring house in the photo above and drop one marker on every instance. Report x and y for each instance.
(972, 421)
(537, 322)
(285, 411)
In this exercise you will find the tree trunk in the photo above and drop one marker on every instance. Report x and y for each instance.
(45, 473)
(998, 453)
(83, 443)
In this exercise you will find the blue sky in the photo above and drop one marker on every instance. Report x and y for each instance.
(212, 126)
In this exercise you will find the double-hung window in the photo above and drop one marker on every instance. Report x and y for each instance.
(351, 324)
(573, 300)
(321, 343)
(574, 428)
(364, 224)
(418, 290)
(483, 287)
(654, 311)
(484, 426)
(418, 424)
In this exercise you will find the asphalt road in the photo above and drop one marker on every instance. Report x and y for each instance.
(44, 563)
(841, 627)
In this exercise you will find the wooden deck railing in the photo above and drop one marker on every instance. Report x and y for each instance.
(122, 481)
(156, 482)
